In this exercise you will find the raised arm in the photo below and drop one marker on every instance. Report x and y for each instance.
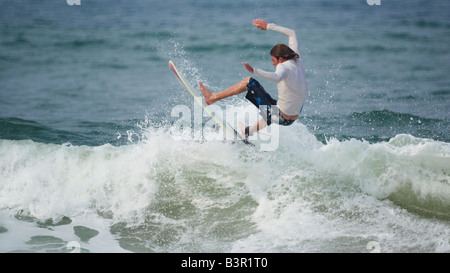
(263, 25)
(293, 43)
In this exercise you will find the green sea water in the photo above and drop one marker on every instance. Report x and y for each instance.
(93, 158)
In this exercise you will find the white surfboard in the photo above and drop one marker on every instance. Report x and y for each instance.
(229, 130)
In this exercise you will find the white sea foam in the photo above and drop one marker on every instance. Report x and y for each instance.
(305, 196)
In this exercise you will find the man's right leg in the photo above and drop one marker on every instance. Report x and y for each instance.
(236, 89)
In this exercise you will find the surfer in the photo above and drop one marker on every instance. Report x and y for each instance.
(289, 76)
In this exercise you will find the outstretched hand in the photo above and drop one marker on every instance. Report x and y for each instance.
(248, 67)
(261, 24)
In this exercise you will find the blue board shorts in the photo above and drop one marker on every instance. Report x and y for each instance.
(257, 95)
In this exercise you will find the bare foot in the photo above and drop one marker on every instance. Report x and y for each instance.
(209, 96)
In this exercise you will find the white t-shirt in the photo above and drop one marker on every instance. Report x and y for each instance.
(289, 76)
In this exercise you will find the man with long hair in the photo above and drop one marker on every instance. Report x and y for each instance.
(289, 76)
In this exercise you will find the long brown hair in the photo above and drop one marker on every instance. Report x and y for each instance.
(283, 51)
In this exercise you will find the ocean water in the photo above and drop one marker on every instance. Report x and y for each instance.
(102, 149)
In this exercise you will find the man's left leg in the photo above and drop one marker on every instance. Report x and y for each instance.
(261, 124)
